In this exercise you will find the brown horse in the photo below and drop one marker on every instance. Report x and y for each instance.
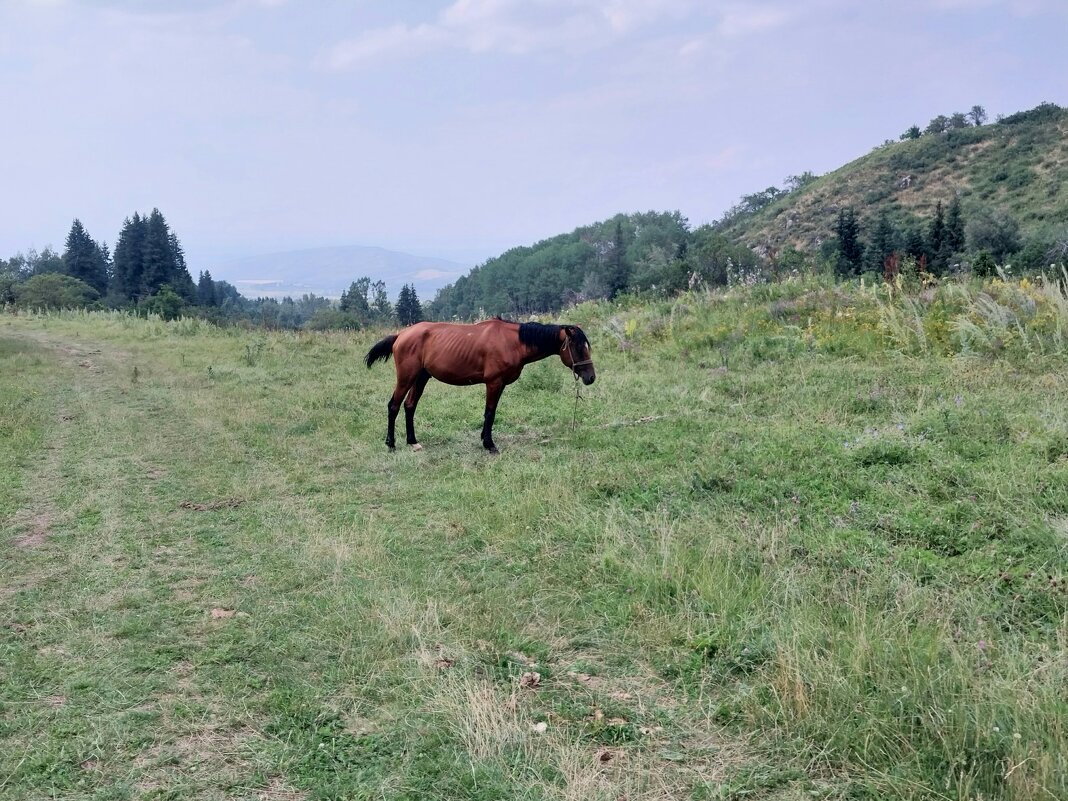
(493, 353)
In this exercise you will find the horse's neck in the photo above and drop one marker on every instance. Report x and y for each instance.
(537, 352)
(536, 355)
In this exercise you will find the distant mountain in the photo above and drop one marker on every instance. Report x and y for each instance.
(329, 271)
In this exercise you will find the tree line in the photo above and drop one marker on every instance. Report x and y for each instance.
(654, 251)
(659, 253)
(147, 273)
(948, 241)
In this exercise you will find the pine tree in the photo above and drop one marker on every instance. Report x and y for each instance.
(158, 266)
(409, 310)
(937, 230)
(181, 279)
(128, 261)
(914, 244)
(105, 254)
(83, 259)
(617, 265)
(380, 304)
(849, 246)
(206, 290)
(883, 243)
(954, 234)
(936, 240)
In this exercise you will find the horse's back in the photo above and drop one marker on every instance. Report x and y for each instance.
(455, 353)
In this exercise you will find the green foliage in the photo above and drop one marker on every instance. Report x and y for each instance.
(883, 243)
(328, 319)
(850, 249)
(409, 310)
(148, 256)
(1011, 168)
(994, 232)
(85, 260)
(939, 124)
(601, 260)
(206, 295)
(354, 300)
(381, 308)
(54, 291)
(984, 264)
(1043, 112)
(166, 303)
(34, 263)
(9, 281)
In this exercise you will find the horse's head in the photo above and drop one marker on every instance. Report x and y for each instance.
(575, 353)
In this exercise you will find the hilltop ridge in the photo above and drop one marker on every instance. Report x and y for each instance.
(1016, 166)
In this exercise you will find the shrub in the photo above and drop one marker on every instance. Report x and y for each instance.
(54, 291)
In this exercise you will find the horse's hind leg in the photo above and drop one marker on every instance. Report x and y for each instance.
(405, 378)
(410, 403)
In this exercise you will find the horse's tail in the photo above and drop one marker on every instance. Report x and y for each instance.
(381, 350)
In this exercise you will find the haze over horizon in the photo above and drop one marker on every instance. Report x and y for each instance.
(461, 129)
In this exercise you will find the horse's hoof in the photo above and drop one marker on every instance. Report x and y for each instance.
(492, 451)
(416, 446)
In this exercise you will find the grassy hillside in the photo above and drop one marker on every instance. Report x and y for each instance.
(806, 541)
(1018, 166)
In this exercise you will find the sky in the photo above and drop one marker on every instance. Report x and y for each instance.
(461, 129)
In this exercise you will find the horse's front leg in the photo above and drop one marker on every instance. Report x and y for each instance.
(393, 408)
(493, 395)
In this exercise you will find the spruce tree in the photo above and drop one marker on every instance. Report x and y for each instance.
(849, 245)
(618, 268)
(936, 238)
(83, 259)
(409, 310)
(181, 280)
(883, 243)
(128, 261)
(206, 290)
(158, 264)
(914, 244)
(937, 231)
(954, 234)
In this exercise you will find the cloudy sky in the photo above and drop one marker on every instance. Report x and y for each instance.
(459, 129)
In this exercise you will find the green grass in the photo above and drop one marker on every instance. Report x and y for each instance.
(786, 553)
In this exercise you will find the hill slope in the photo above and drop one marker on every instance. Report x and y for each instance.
(1017, 166)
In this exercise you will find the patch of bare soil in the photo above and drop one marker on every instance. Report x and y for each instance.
(211, 754)
(278, 790)
(40, 526)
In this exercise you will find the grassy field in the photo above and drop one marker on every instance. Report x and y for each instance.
(805, 542)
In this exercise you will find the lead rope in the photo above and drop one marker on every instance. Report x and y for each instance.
(578, 386)
(574, 416)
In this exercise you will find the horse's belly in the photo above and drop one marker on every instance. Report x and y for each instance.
(450, 376)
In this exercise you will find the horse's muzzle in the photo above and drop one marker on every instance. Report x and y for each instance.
(588, 379)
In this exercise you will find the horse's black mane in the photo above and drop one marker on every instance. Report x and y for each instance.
(546, 337)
